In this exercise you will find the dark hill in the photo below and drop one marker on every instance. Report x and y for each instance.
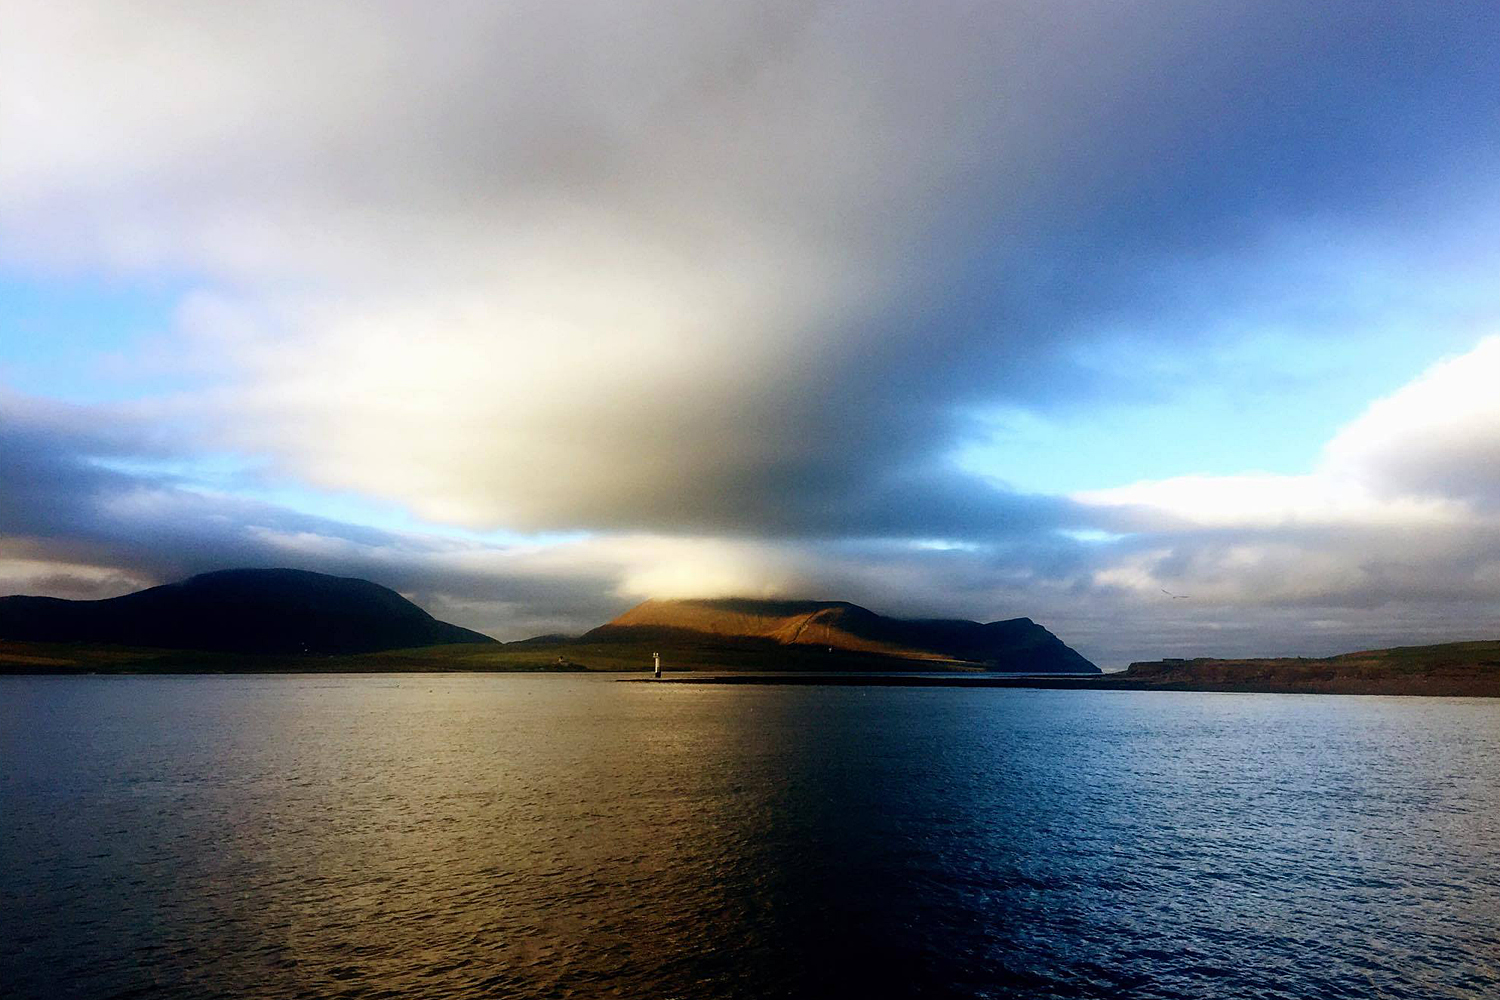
(240, 611)
(1019, 644)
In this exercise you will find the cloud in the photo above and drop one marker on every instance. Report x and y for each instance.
(745, 268)
(1438, 437)
(1402, 510)
(74, 527)
(1428, 454)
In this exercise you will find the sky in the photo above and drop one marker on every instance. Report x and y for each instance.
(533, 311)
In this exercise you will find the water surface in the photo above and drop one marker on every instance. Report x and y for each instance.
(557, 836)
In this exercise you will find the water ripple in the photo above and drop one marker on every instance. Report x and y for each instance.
(569, 837)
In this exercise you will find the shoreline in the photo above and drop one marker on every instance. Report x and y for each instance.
(884, 680)
(1461, 669)
(1058, 683)
(1011, 681)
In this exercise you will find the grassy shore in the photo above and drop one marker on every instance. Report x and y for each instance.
(58, 658)
(1454, 669)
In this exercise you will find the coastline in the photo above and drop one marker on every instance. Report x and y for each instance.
(1469, 669)
(1108, 682)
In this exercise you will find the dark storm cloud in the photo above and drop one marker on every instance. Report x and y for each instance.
(786, 250)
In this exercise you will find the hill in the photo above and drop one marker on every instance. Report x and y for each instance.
(262, 611)
(1455, 668)
(837, 635)
(288, 620)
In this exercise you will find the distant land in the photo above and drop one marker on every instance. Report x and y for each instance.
(255, 620)
(822, 628)
(1454, 668)
(265, 611)
(280, 619)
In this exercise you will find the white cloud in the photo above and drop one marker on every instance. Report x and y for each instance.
(1266, 501)
(1437, 437)
(1403, 506)
(1427, 454)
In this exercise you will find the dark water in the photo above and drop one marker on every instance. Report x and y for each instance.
(570, 836)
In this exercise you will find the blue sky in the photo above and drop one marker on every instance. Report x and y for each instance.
(71, 337)
(987, 312)
(1286, 400)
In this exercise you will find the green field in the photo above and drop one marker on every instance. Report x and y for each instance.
(1465, 668)
(616, 656)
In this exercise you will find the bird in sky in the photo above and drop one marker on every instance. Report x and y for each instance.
(1175, 597)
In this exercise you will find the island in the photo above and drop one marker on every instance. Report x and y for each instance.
(295, 620)
(287, 620)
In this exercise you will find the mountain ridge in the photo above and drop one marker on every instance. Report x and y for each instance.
(1016, 644)
(272, 611)
(294, 614)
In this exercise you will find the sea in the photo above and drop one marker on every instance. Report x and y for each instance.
(530, 836)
